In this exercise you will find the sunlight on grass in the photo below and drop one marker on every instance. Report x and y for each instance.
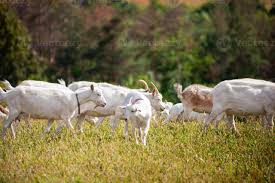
(175, 153)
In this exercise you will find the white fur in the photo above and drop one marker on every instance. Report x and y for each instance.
(165, 113)
(115, 95)
(243, 97)
(42, 84)
(47, 103)
(34, 83)
(136, 109)
(177, 113)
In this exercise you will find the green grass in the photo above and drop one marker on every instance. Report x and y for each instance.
(175, 153)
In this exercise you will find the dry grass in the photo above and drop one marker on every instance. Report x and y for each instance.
(175, 153)
(193, 3)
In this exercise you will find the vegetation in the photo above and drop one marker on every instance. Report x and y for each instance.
(16, 61)
(119, 41)
(175, 153)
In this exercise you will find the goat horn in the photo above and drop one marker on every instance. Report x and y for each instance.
(154, 86)
(145, 84)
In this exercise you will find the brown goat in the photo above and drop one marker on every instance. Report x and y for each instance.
(198, 98)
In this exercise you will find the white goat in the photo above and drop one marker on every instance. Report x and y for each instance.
(165, 113)
(35, 83)
(136, 109)
(43, 84)
(177, 113)
(154, 97)
(115, 95)
(174, 112)
(46, 103)
(243, 97)
(79, 84)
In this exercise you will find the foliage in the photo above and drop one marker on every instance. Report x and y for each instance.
(121, 42)
(175, 153)
(16, 60)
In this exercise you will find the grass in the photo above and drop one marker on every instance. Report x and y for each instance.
(175, 153)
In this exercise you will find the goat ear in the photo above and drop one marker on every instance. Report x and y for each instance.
(131, 100)
(92, 87)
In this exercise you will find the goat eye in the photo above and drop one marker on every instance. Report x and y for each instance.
(98, 94)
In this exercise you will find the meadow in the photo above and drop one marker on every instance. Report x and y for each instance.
(175, 153)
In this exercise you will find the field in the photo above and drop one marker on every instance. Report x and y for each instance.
(175, 153)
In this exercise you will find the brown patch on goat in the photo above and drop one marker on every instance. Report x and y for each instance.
(198, 101)
(3, 110)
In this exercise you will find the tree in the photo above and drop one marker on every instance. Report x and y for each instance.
(16, 60)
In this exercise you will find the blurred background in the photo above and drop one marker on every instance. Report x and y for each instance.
(119, 41)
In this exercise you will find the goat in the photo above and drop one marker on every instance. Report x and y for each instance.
(165, 113)
(174, 112)
(154, 97)
(35, 83)
(243, 97)
(79, 84)
(177, 112)
(115, 95)
(48, 103)
(136, 109)
(84, 107)
(197, 98)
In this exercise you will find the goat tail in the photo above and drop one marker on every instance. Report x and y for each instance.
(7, 85)
(178, 88)
(61, 81)
(2, 94)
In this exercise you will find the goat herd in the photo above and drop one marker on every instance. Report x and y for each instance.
(94, 101)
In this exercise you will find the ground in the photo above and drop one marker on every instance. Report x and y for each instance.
(175, 153)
